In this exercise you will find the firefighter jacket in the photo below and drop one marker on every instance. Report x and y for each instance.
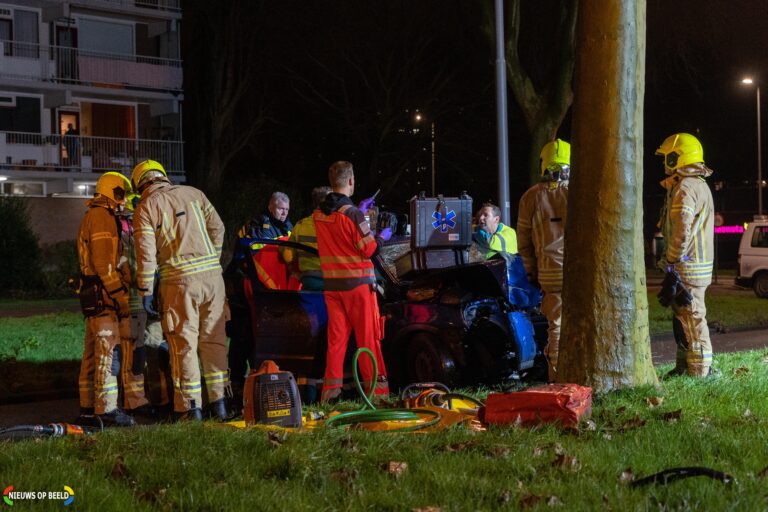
(541, 221)
(687, 223)
(178, 233)
(346, 244)
(304, 233)
(99, 247)
(503, 242)
(264, 226)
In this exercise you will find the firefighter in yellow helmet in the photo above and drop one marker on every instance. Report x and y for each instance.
(687, 223)
(541, 221)
(104, 300)
(179, 235)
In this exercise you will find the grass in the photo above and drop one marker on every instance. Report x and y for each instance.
(42, 338)
(722, 424)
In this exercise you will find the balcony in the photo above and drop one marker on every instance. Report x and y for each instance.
(60, 64)
(23, 151)
(159, 5)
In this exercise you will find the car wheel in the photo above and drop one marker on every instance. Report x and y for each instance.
(761, 285)
(428, 362)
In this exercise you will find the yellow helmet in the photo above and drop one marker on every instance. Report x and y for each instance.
(555, 160)
(114, 185)
(680, 150)
(145, 171)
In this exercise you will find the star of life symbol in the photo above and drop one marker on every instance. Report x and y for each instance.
(444, 223)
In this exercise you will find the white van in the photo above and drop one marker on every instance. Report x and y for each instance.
(753, 256)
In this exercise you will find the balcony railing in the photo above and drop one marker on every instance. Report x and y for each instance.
(76, 153)
(31, 61)
(160, 5)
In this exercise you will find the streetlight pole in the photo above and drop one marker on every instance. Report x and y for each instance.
(433, 158)
(759, 151)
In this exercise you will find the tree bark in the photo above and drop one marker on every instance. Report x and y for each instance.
(605, 341)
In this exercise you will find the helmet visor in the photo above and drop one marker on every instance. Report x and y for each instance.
(670, 160)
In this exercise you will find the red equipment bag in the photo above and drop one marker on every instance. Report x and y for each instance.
(566, 403)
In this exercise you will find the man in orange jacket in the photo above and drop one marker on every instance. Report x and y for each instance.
(346, 244)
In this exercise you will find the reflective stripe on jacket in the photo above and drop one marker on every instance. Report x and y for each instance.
(688, 224)
(178, 231)
(346, 245)
(304, 232)
(99, 247)
(541, 222)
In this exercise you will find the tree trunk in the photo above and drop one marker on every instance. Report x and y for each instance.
(605, 342)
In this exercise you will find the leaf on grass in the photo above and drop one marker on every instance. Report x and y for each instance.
(505, 496)
(348, 444)
(276, 438)
(559, 450)
(654, 401)
(153, 495)
(430, 508)
(742, 370)
(345, 475)
(633, 423)
(499, 452)
(459, 447)
(621, 410)
(607, 436)
(567, 462)
(590, 426)
(119, 471)
(748, 413)
(554, 501)
(763, 472)
(672, 416)
(396, 468)
(538, 451)
(529, 500)
(626, 476)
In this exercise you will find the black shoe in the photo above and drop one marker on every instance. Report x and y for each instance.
(86, 411)
(116, 418)
(146, 411)
(219, 411)
(677, 371)
(195, 414)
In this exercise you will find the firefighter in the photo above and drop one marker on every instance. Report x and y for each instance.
(271, 224)
(304, 233)
(687, 223)
(346, 244)
(492, 236)
(104, 300)
(132, 351)
(540, 229)
(179, 234)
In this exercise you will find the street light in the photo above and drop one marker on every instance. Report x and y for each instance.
(749, 81)
(432, 136)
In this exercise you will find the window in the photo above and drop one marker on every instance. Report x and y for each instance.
(20, 35)
(23, 188)
(760, 236)
(24, 117)
(105, 37)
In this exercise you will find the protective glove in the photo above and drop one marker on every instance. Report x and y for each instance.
(366, 204)
(385, 234)
(148, 307)
(668, 288)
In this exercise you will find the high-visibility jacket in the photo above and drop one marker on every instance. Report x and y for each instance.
(687, 224)
(503, 241)
(304, 232)
(345, 243)
(177, 231)
(271, 270)
(264, 226)
(541, 222)
(99, 247)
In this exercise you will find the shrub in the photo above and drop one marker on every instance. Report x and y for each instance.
(20, 268)
(59, 263)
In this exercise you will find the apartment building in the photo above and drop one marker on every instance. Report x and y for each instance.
(86, 86)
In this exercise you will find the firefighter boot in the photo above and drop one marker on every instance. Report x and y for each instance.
(195, 414)
(117, 418)
(219, 411)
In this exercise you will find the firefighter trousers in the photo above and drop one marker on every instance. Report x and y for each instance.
(193, 316)
(133, 355)
(357, 311)
(694, 322)
(98, 380)
(552, 308)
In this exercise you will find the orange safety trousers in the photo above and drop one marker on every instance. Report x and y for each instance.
(357, 311)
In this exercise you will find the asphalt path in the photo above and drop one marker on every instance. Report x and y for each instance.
(662, 347)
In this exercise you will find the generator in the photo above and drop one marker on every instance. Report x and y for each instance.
(271, 397)
(441, 233)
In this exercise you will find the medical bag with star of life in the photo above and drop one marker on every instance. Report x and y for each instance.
(441, 233)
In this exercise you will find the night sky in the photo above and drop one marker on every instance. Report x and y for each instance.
(343, 80)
